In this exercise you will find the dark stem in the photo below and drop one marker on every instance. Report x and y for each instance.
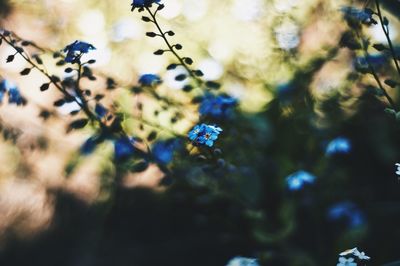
(393, 52)
(162, 34)
(375, 75)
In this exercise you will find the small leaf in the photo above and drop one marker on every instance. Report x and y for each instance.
(38, 59)
(178, 46)
(25, 72)
(391, 83)
(379, 47)
(151, 34)
(77, 124)
(159, 52)
(26, 43)
(146, 19)
(385, 21)
(213, 85)
(188, 60)
(152, 136)
(198, 73)
(91, 61)
(60, 63)
(59, 103)
(98, 97)
(111, 84)
(181, 77)
(68, 70)
(140, 167)
(171, 66)
(170, 33)
(10, 58)
(160, 7)
(187, 88)
(44, 87)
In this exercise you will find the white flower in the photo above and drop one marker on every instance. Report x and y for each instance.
(242, 261)
(398, 168)
(355, 252)
(346, 262)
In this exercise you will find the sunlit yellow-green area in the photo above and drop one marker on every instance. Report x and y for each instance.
(250, 46)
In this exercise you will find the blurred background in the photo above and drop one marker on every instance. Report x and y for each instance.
(297, 91)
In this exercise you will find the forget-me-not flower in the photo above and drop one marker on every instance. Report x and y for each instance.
(298, 179)
(242, 261)
(14, 95)
(76, 49)
(338, 145)
(220, 106)
(346, 262)
(204, 134)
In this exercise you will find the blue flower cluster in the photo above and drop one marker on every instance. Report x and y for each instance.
(204, 134)
(14, 95)
(142, 3)
(163, 151)
(149, 80)
(75, 50)
(338, 145)
(220, 106)
(347, 211)
(298, 179)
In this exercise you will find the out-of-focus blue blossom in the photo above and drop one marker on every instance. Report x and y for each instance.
(220, 106)
(100, 110)
(76, 49)
(242, 261)
(14, 95)
(143, 3)
(204, 134)
(361, 15)
(149, 80)
(298, 179)
(3, 89)
(89, 145)
(163, 151)
(338, 145)
(348, 211)
(123, 148)
(346, 262)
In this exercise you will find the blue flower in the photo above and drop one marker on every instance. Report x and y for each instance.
(363, 16)
(347, 211)
(143, 3)
(163, 151)
(149, 80)
(14, 95)
(75, 50)
(338, 145)
(89, 145)
(217, 106)
(376, 60)
(100, 110)
(204, 134)
(123, 148)
(296, 180)
(242, 261)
